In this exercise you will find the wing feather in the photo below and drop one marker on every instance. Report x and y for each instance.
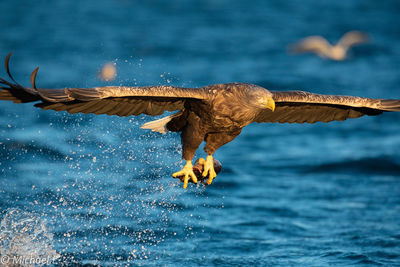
(112, 100)
(305, 107)
(134, 101)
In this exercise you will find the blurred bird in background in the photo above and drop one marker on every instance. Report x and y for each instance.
(108, 72)
(320, 46)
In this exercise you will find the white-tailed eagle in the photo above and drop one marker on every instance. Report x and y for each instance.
(215, 114)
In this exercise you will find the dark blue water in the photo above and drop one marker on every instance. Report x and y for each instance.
(289, 195)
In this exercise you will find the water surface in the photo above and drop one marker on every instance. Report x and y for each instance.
(288, 195)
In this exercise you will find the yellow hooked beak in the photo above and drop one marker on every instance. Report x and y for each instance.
(270, 103)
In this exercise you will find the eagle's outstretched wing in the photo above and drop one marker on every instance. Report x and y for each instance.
(305, 107)
(111, 100)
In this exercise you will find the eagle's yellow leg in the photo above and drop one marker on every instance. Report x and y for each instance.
(209, 169)
(187, 171)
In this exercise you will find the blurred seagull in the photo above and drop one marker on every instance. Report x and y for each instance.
(320, 46)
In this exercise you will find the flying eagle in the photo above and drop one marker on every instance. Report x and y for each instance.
(215, 114)
(320, 46)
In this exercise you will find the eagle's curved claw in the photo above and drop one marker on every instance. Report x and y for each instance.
(187, 172)
(198, 171)
(209, 169)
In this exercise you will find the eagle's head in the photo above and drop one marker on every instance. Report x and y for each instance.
(259, 97)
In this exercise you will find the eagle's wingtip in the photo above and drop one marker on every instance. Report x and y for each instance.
(33, 77)
(390, 104)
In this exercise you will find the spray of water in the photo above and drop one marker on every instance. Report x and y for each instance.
(25, 240)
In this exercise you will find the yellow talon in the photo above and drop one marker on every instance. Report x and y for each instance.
(187, 171)
(209, 169)
(202, 161)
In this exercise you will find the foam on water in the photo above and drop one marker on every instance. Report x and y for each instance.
(25, 237)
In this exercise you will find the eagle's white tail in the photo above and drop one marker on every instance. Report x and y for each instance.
(161, 124)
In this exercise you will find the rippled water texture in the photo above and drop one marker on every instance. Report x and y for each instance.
(100, 188)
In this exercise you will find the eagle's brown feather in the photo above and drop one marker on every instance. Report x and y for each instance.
(305, 107)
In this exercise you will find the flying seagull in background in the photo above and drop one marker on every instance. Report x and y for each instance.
(215, 114)
(320, 46)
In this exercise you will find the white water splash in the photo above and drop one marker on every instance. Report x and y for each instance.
(25, 240)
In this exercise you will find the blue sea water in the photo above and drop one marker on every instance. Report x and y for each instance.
(99, 189)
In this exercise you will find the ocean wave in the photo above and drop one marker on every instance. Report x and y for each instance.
(373, 165)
